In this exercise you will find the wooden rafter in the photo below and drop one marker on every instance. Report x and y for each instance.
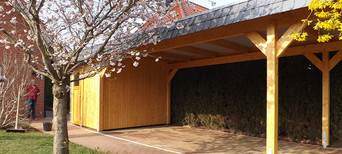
(230, 45)
(286, 39)
(313, 33)
(198, 51)
(314, 60)
(314, 48)
(292, 51)
(171, 56)
(258, 40)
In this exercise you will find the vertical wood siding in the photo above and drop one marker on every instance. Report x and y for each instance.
(136, 96)
(85, 102)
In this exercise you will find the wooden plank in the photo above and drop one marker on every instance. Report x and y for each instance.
(292, 51)
(258, 41)
(219, 60)
(75, 103)
(285, 40)
(314, 60)
(90, 102)
(312, 48)
(101, 111)
(198, 51)
(171, 56)
(335, 60)
(325, 100)
(136, 96)
(230, 45)
(272, 91)
(172, 74)
(82, 103)
(311, 32)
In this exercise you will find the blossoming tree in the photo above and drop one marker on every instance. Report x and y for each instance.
(58, 37)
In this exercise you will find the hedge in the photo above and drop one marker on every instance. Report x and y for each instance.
(232, 97)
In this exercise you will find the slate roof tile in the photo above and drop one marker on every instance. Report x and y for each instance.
(261, 3)
(251, 4)
(234, 9)
(218, 13)
(288, 5)
(232, 13)
(210, 15)
(243, 6)
(226, 11)
(213, 23)
(276, 7)
(301, 3)
(206, 25)
(221, 21)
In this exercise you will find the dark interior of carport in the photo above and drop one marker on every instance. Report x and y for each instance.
(250, 32)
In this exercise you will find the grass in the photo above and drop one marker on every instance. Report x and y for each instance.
(35, 143)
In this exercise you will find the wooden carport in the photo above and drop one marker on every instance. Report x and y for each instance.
(268, 32)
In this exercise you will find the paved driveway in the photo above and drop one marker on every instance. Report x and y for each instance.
(174, 139)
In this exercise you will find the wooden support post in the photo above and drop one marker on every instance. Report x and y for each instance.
(168, 94)
(273, 49)
(325, 99)
(272, 90)
(325, 65)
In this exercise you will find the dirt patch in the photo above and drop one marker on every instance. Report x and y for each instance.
(30, 129)
(26, 126)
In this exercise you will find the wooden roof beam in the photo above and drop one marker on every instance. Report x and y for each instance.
(230, 45)
(313, 33)
(198, 51)
(292, 51)
(171, 56)
(219, 60)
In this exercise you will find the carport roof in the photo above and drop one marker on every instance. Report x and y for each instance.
(231, 13)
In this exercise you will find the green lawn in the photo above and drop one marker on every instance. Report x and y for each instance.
(34, 142)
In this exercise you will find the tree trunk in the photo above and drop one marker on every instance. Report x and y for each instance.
(60, 140)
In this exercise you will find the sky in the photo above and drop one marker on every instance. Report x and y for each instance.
(207, 3)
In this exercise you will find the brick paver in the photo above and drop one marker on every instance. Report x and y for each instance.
(159, 139)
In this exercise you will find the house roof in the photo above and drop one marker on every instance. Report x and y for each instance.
(186, 8)
(190, 8)
(232, 13)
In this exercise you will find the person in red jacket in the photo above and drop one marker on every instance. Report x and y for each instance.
(32, 94)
